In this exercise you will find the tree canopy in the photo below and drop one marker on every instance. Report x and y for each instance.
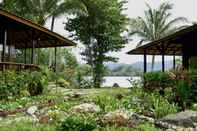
(100, 31)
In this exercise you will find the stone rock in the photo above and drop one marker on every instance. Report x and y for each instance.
(32, 110)
(86, 108)
(115, 85)
(119, 117)
(183, 119)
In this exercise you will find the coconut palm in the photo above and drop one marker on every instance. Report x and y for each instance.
(156, 24)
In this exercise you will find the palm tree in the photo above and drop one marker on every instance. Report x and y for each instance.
(156, 24)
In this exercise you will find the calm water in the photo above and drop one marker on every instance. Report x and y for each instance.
(122, 81)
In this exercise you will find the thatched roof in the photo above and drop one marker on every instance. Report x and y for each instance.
(173, 44)
(22, 31)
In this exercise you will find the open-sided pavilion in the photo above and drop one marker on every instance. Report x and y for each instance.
(18, 33)
(182, 43)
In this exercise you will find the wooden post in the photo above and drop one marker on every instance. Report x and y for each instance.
(185, 58)
(163, 58)
(185, 61)
(4, 45)
(25, 55)
(2, 36)
(174, 61)
(145, 61)
(32, 52)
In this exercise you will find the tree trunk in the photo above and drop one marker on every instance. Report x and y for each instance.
(50, 51)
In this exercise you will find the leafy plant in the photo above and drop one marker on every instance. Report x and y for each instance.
(76, 122)
(162, 107)
(37, 83)
(106, 102)
(157, 81)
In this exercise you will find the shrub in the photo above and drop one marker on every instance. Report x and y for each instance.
(37, 83)
(11, 84)
(157, 80)
(17, 84)
(63, 83)
(76, 122)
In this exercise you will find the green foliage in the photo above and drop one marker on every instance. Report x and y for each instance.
(16, 84)
(151, 104)
(100, 31)
(63, 83)
(157, 81)
(76, 122)
(193, 88)
(162, 107)
(37, 82)
(11, 84)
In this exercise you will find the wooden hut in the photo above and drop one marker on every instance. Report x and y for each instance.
(182, 43)
(18, 33)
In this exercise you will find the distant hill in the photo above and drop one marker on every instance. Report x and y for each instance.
(119, 69)
(157, 66)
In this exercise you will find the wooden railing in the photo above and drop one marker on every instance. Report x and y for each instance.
(18, 66)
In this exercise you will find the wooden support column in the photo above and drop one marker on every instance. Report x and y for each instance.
(185, 61)
(145, 61)
(2, 36)
(9, 53)
(163, 58)
(174, 61)
(25, 55)
(185, 58)
(4, 45)
(32, 52)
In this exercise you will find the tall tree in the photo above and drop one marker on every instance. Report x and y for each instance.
(156, 24)
(101, 32)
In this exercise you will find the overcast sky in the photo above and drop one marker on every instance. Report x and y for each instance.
(183, 8)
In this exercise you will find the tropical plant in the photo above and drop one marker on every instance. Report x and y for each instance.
(37, 83)
(157, 81)
(77, 122)
(156, 24)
